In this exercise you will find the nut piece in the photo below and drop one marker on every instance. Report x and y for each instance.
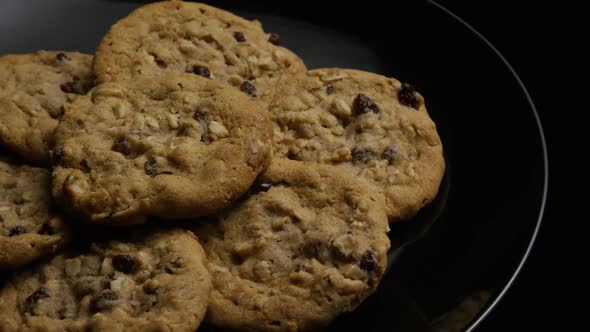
(218, 129)
(340, 108)
(106, 91)
(345, 244)
(76, 185)
(172, 121)
(333, 77)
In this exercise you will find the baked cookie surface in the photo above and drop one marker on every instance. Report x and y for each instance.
(153, 281)
(33, 89)
(374, 126)
(308, 243)
(176, 146)
(175, 36)
(29, 227)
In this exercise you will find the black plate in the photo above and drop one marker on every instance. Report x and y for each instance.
(456, 260)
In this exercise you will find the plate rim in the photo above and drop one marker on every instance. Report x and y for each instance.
(483, 314)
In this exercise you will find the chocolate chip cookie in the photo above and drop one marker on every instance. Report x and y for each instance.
(308, 243)
(175, 36)
(33, 89)
(175, 146)
(153, 281)
(374, 126)
(29, 227)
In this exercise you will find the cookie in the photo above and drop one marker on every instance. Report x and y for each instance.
(175, 36)
(29, 227)
(33, 89)
(307, 244)
(153, 281)
(175, 146)
(374, 126)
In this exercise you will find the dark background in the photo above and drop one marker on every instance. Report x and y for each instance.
(534, 36)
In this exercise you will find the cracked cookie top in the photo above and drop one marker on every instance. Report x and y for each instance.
(33, 89)
(175, 146)
(375, 127)
(175, 36)
(307, 243)
(153, 281)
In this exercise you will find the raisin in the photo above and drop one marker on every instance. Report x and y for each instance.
(103, 300)
(389, 154)
(363, 104)
(46, 229)
(17, 230)
(300, 267)
(407, 96)
(122, 146)
(259, 187)
(368, 261)
(248, 88)
(62, 57)
(74, 87)
(84, 166)
(275, 39)
(239, 37)
(359, 154)
(34, 298)
(150, 167)
(330, 89)
(264, 186)
(58, 155)
(200, 70)
(200, 114)
(125, 263)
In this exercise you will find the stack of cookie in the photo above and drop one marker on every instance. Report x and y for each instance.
(196, 170)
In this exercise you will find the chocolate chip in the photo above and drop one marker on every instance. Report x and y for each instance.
(363, 104)
(368, 261)
(407, 96)
(161, 63)
(62, 57)
(1, 219)
(300, 267)
(122, 146)
(103, 300)
(239, 37)
(150, 167)
(389, 154)
(200, 70)
(75, 86)
(58, 155)
(360, 154)
(275, 39)
(125, 263)
(34, 298)
(17, 230)
(248, 88)
(330, 89)
(84, 166)
(200, 114)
